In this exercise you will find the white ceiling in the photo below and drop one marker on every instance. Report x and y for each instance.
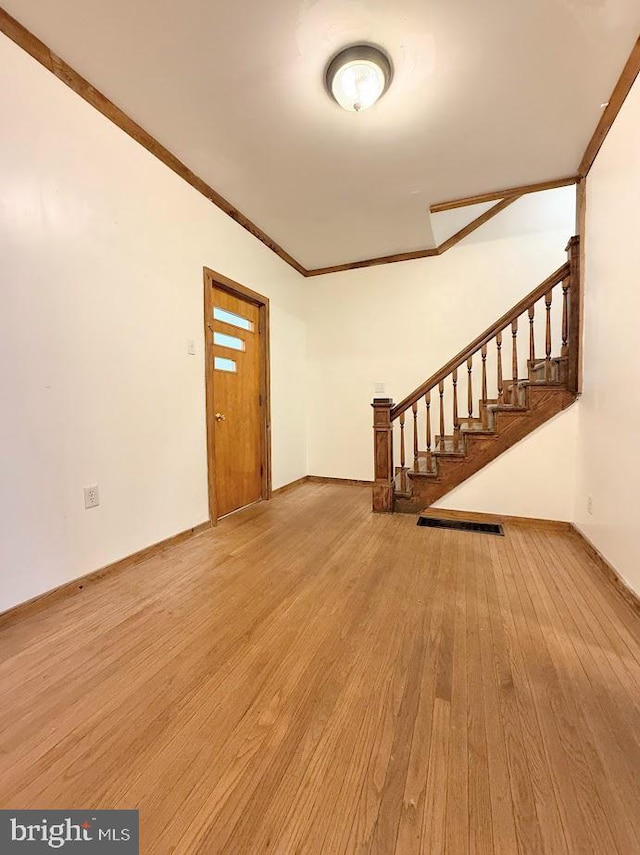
(485, 96)
(551, 210)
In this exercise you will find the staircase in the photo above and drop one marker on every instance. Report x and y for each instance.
(437, 446)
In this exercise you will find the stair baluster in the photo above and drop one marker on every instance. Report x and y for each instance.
(547, 301)
(514, 362)
(456, 422)
(402, 455)
(470, 386)
(427, 400)
(484, 372)
(441, 391)
(414, 408)
(565, 317)
(532, 339)
(499, 358)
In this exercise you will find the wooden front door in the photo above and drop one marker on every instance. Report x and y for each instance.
(236, 396)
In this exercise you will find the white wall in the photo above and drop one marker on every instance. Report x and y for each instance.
(609, 455)
(397, 324)
(102, 252)
(535, 478)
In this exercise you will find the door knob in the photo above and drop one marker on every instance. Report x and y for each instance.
(220, 417)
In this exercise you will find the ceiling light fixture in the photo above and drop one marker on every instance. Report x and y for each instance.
(358, 76)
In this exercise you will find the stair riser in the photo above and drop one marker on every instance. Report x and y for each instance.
(479, 440)
(450, 462)
(404, 505)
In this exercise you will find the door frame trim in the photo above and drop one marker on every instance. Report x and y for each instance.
(213, 278)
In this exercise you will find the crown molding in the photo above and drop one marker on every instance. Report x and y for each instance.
(63, 71)
(522, 190)
(374, 262)
(621, 90)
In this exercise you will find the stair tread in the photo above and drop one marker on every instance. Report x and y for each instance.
(506, 408)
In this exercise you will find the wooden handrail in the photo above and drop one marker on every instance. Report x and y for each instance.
(484, 338)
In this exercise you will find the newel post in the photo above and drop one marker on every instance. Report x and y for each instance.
(382, 455)
(575, 315)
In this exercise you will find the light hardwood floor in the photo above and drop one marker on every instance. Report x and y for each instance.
(309, 677)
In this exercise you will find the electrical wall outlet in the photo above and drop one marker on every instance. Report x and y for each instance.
(191, 347)
(589, 505)
(379, 388)
(91, 497)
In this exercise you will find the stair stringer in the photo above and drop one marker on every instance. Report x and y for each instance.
(543, 403)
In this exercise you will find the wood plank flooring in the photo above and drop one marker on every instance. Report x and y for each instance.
(311, 678)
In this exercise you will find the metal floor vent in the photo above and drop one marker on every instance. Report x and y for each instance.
(462, 525)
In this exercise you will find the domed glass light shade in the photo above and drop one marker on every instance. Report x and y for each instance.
(358, 76)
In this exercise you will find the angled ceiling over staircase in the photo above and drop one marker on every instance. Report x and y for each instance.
(484, 96)
(549, 210)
